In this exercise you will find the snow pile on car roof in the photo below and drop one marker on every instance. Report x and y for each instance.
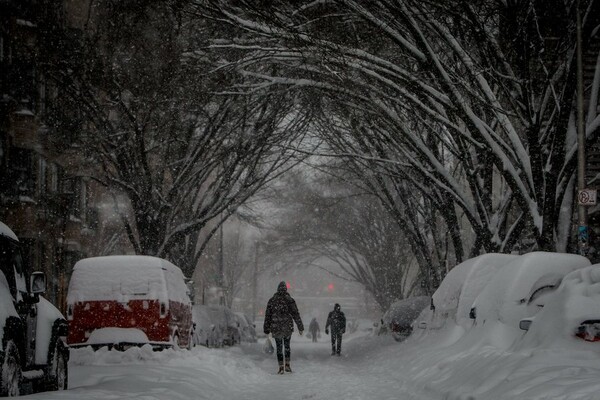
(124, 278)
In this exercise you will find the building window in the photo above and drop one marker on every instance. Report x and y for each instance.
(22, 181)
(41, 94)
(53, 178)
(42, 182)
(84, 200)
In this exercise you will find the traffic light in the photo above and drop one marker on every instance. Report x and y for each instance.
(330, 287)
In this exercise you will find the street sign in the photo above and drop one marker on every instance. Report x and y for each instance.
(587, 197)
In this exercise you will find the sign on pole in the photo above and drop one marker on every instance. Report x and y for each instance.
(587, 197)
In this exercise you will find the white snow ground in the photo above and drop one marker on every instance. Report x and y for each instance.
(370, 368)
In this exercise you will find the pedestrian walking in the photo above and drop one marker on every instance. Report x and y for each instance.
(337, 321)
(280, 316)
(314, 329)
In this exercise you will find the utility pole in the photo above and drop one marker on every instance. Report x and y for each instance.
(583, 233)
(221, 267)
(255, 283)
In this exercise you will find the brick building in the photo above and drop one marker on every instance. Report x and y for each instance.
(50, 203)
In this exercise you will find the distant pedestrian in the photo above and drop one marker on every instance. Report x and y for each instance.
(314, 329)
(337, 321)
(280, 316)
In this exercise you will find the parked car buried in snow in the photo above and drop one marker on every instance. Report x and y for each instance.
(399, 318)
(571, 311)
(33, 353)
(452, 301)
(246, 327)
(520, 290)
(120, 301)
(206, 330)
(227, 323)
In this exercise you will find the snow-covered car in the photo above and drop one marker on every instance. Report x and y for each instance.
(520, 289)
(572, 311)
(398, 319)
(120, 301)
(227, 323)
(206, 330)
(452, 301)
(32, 330)
(247, 330)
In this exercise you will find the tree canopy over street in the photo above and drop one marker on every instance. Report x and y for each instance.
(456, 116)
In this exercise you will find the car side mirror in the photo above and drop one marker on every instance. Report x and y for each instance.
(37, 283)
(524, 324)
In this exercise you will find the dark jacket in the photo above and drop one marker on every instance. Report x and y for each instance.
(336, 320)
(281, 314)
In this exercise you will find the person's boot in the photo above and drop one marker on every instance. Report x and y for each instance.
(281, 369)
(287, 367)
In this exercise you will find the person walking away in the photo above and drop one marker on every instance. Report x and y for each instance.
(337, 321)
(314, 329)
(280, 316)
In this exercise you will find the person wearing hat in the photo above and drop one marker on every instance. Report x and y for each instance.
(337, 321)
(280, 316)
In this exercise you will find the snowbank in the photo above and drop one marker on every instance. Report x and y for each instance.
(494, 359)
(117, 335)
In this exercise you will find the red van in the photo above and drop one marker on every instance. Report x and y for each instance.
(120, 301)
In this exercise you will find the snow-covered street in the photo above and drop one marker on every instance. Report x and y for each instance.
(429, 368)
(235, 373)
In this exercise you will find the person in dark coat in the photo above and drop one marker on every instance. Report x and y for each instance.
(337, 321)
(314, 329)
(280, 316)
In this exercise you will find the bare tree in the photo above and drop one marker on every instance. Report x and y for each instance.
(467, 101)
(153, 128)
(321, 217)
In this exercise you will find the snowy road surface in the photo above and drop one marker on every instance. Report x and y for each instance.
(435, 367)
(234, 373)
